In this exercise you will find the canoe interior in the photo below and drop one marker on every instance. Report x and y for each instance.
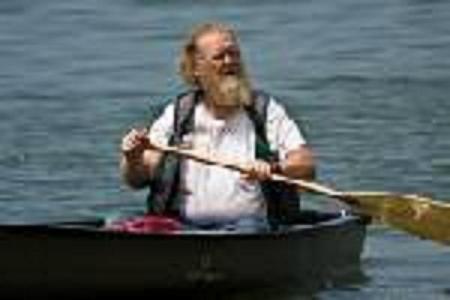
(80, 256)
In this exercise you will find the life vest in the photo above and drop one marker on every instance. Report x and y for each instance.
(165, 196)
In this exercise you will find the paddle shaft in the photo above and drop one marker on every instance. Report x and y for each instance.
(236, 166)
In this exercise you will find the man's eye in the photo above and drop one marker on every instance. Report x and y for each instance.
(234, 53)
(219, 56)
(230, 53)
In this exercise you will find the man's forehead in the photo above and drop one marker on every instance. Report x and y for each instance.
(215, 39)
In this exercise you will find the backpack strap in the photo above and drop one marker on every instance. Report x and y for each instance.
(283, 201)
(164, 197)
(183, 118)
(257, 112)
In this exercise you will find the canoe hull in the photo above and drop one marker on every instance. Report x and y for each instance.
(81, 258)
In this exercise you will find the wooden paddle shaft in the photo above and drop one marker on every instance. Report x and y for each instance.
(237, 166)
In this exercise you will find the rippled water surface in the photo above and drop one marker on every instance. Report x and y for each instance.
(368, 80)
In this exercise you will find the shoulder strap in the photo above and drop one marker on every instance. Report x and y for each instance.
(183, 118)
(257, 113)
(282, 200)
(164, 195)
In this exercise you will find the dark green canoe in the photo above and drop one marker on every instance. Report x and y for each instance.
(79, 257)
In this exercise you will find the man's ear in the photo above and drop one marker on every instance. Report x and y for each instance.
(198, 65)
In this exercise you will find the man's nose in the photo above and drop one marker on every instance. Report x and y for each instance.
(228, 59)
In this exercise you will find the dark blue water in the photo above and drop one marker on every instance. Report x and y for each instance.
(369, 81)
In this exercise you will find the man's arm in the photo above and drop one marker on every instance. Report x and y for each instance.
(138, 162)
(299, 163)
(296, 157)
(137, 172)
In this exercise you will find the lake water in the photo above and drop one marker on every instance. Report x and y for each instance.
(368, 80)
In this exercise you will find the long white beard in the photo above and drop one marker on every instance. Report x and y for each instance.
(230, 91)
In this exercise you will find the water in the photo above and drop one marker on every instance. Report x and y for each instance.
(367, 79)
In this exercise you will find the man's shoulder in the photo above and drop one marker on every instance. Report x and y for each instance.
(188, 94)
(262, 94)
(269, 106)
(178, 103)
(264, 101)
(265, 97)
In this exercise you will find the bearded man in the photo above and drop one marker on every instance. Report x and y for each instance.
(221, 115)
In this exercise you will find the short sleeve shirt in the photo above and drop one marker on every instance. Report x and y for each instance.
(212, 192)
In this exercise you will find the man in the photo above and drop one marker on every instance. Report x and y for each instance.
(222, 121)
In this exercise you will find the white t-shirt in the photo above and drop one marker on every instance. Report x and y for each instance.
(216, 193)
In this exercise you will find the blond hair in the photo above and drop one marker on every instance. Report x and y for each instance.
(189, 50)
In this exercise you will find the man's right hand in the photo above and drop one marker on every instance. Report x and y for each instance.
(134, 143)
(139, 160)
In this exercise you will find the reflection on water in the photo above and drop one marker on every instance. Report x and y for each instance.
(348, 284)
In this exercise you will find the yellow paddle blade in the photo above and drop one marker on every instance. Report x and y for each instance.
(415, 214)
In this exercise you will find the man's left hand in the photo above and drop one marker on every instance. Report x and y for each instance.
(257, 170)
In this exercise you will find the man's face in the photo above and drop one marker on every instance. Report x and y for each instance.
(219, 68)
(219, 53)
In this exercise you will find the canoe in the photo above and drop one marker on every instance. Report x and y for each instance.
(83, 256)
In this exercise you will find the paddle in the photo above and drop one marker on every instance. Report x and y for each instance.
(420, 216)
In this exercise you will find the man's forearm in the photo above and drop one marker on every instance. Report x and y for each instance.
(134, 172)
(299, 164)
(137, 171)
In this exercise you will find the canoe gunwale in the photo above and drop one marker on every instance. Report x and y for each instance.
(95, 227)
